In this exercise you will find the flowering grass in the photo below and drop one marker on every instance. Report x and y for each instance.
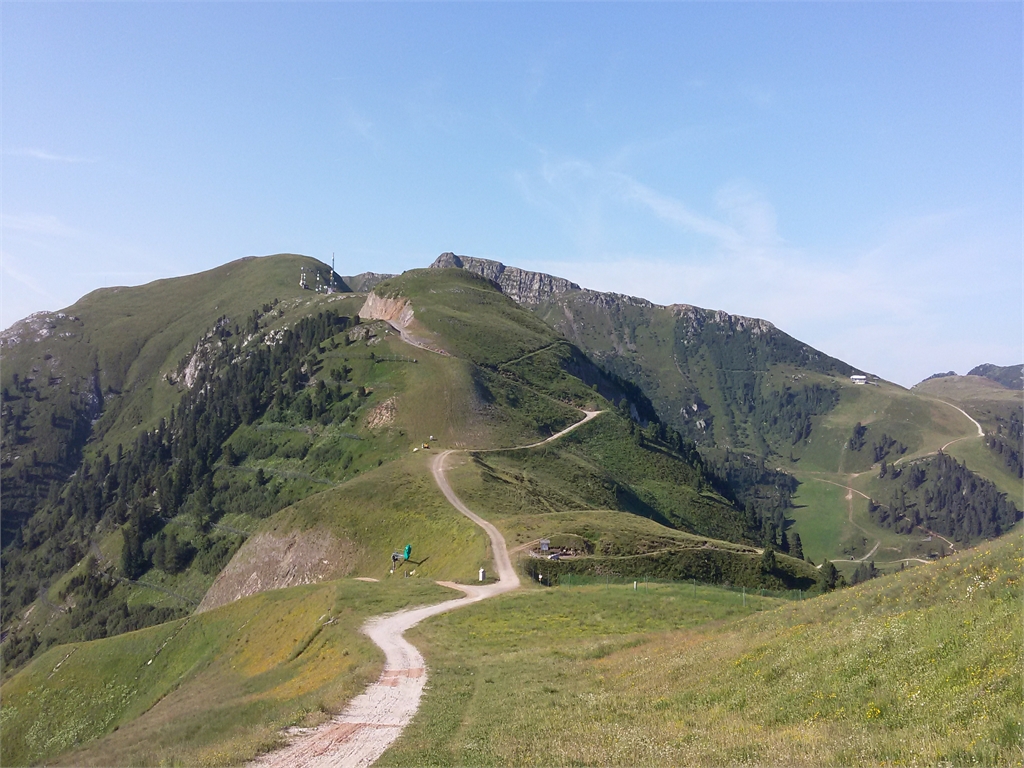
(919, 668)
(213, 689)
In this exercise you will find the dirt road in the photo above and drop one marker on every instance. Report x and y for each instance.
(376, 717)
(849, 499)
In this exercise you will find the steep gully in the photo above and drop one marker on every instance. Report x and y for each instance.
(375, 718)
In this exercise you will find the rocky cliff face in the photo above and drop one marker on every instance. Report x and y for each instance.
(698, 318)
(398, 312)
(520, 285)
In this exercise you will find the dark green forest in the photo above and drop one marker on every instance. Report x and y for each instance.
(942, 495)
(1008, 442)
(171, 473)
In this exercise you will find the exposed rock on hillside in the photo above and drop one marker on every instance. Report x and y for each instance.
(698, 318)
(38, 327)
(520, 285)
(268, 561)
(397, 311)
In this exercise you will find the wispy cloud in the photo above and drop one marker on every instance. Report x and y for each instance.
(51, 157)
(38, 224)
(578, 192)
(903, 305)
(23, 279)
(677, 213)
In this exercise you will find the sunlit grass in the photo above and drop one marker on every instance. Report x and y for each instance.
(922, 668)
(213, 689)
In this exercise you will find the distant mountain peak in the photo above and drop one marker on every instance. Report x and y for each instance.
(520, 285)
(1010, 376)
(945, 375)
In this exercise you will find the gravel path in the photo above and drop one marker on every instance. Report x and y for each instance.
(375, 718)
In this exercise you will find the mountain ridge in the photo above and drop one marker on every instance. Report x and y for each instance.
(270, 435)
(662, 347)
(1010, 376)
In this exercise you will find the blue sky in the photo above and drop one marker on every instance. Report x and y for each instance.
(851, 172)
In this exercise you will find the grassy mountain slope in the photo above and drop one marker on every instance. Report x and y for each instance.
(875, 423)
(302, 434)
(213, 689)
(1000, 411)
(739, 384)
(298, 449)
(104, 360)
(293, 436)
(1009, 376)
(576, 490)
(919, 668)
(709, 374)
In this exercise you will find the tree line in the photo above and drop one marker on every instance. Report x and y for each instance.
(165, 473)
(942, 495)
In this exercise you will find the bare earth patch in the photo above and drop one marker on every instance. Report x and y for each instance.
(270, 561)
(382, 415)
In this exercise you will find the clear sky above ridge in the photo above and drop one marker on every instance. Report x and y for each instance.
(851, 172)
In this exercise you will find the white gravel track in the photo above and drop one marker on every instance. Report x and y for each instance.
(375, 718)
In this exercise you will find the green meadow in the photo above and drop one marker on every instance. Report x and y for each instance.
(919, 668)
(211, 689)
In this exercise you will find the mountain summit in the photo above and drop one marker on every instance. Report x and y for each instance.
(706, 371)
(520, 285)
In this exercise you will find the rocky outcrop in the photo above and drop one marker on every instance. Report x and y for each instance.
(275, 561)
(365, 281)
(38, 327)
(699, 317)
(520, 285)
(397, 311)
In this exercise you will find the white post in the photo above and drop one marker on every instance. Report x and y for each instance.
(481, 574)
(634, 586)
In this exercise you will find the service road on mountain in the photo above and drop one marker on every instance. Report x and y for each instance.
(375, 718)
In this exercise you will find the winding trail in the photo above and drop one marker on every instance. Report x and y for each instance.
(375, 718)
(849, 498)
(849, 513)
(981, 433)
